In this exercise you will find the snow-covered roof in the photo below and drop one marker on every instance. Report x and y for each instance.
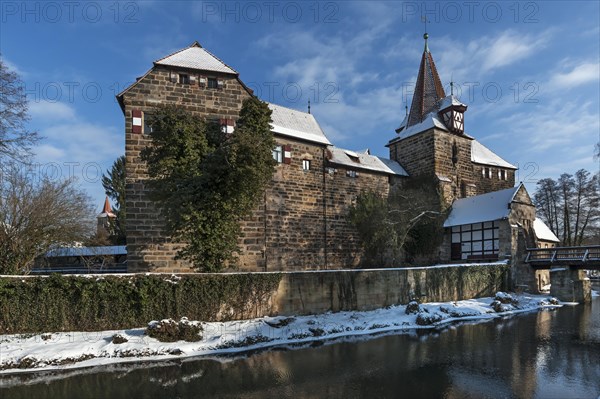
(196, 57)
(88, 251)
(431, 120)
(365, 161)
(448, 101)
(543, 232)
(403, 123)
(483, 155)
(482, 208)
(297, 124)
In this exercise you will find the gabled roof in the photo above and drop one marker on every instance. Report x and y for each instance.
(428, 90)
(195, 57)
(192, 57)
(483, 155)
(365, 161)
(482, 208)
(543, 232)
(297, 124)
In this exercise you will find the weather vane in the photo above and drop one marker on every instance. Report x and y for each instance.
(425, 35)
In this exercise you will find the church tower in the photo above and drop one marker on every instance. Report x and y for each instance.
(431, 141)
(106, 219)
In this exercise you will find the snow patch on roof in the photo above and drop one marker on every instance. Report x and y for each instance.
(448, 101)
(297, 124)
(365, 161)
(430, 121)
(543, 232)
(483, 155)
(88, 251)
(481, 208)
(196, 57)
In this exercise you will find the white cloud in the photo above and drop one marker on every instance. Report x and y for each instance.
(558, 125)
(507, 49)
(486, 53)
(50, 111)
(13, 68)
(580, 74)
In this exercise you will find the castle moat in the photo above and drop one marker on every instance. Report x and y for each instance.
(545, 354)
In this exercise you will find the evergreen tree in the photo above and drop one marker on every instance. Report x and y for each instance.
(206, 181)
(114, 186)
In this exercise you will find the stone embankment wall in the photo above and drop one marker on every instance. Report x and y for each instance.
(79, 303)
(323, 291)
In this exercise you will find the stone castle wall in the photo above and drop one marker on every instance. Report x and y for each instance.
(148, 246)
(301, 222)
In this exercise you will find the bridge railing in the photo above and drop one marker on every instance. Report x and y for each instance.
(563, 254)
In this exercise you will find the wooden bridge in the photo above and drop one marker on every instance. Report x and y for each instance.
(584, 257)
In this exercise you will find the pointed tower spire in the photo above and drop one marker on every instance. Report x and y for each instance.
(107, 210)
(428, 90)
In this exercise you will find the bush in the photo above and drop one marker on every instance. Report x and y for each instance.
(427, 319)
(169, 330)
(119, 339)
(505, 298)
(413, 307)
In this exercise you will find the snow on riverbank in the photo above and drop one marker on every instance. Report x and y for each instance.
(64, 350)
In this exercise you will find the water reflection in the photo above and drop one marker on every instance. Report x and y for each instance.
(541, 354)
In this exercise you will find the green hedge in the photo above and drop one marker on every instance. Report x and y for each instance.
(92, 303)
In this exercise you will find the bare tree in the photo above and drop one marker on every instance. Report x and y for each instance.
(38, 215)
(15, 139)
(570, 206)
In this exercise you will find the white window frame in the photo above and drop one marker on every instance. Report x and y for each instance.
(278, 154)
(306, 165)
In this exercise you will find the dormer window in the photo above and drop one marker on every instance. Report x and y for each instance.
(453, 114)
(353, 156)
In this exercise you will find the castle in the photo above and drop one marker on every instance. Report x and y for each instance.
(302, 221)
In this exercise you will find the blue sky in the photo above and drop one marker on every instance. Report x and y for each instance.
(529, 71)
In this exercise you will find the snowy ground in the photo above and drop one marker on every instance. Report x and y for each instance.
(65, 350)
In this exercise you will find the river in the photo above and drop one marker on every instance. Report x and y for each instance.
(546, 354)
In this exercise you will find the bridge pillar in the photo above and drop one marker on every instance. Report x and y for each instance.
(570, 285)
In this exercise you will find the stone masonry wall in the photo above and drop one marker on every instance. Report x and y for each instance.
(318, 292)
(458, 169)
(148, 246)
(300, 224)
(304, 224)
(415, 153)
(343, 244)
(494, 183)
(287, 231)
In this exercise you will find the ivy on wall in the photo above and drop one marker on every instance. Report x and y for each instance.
(80, 303)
